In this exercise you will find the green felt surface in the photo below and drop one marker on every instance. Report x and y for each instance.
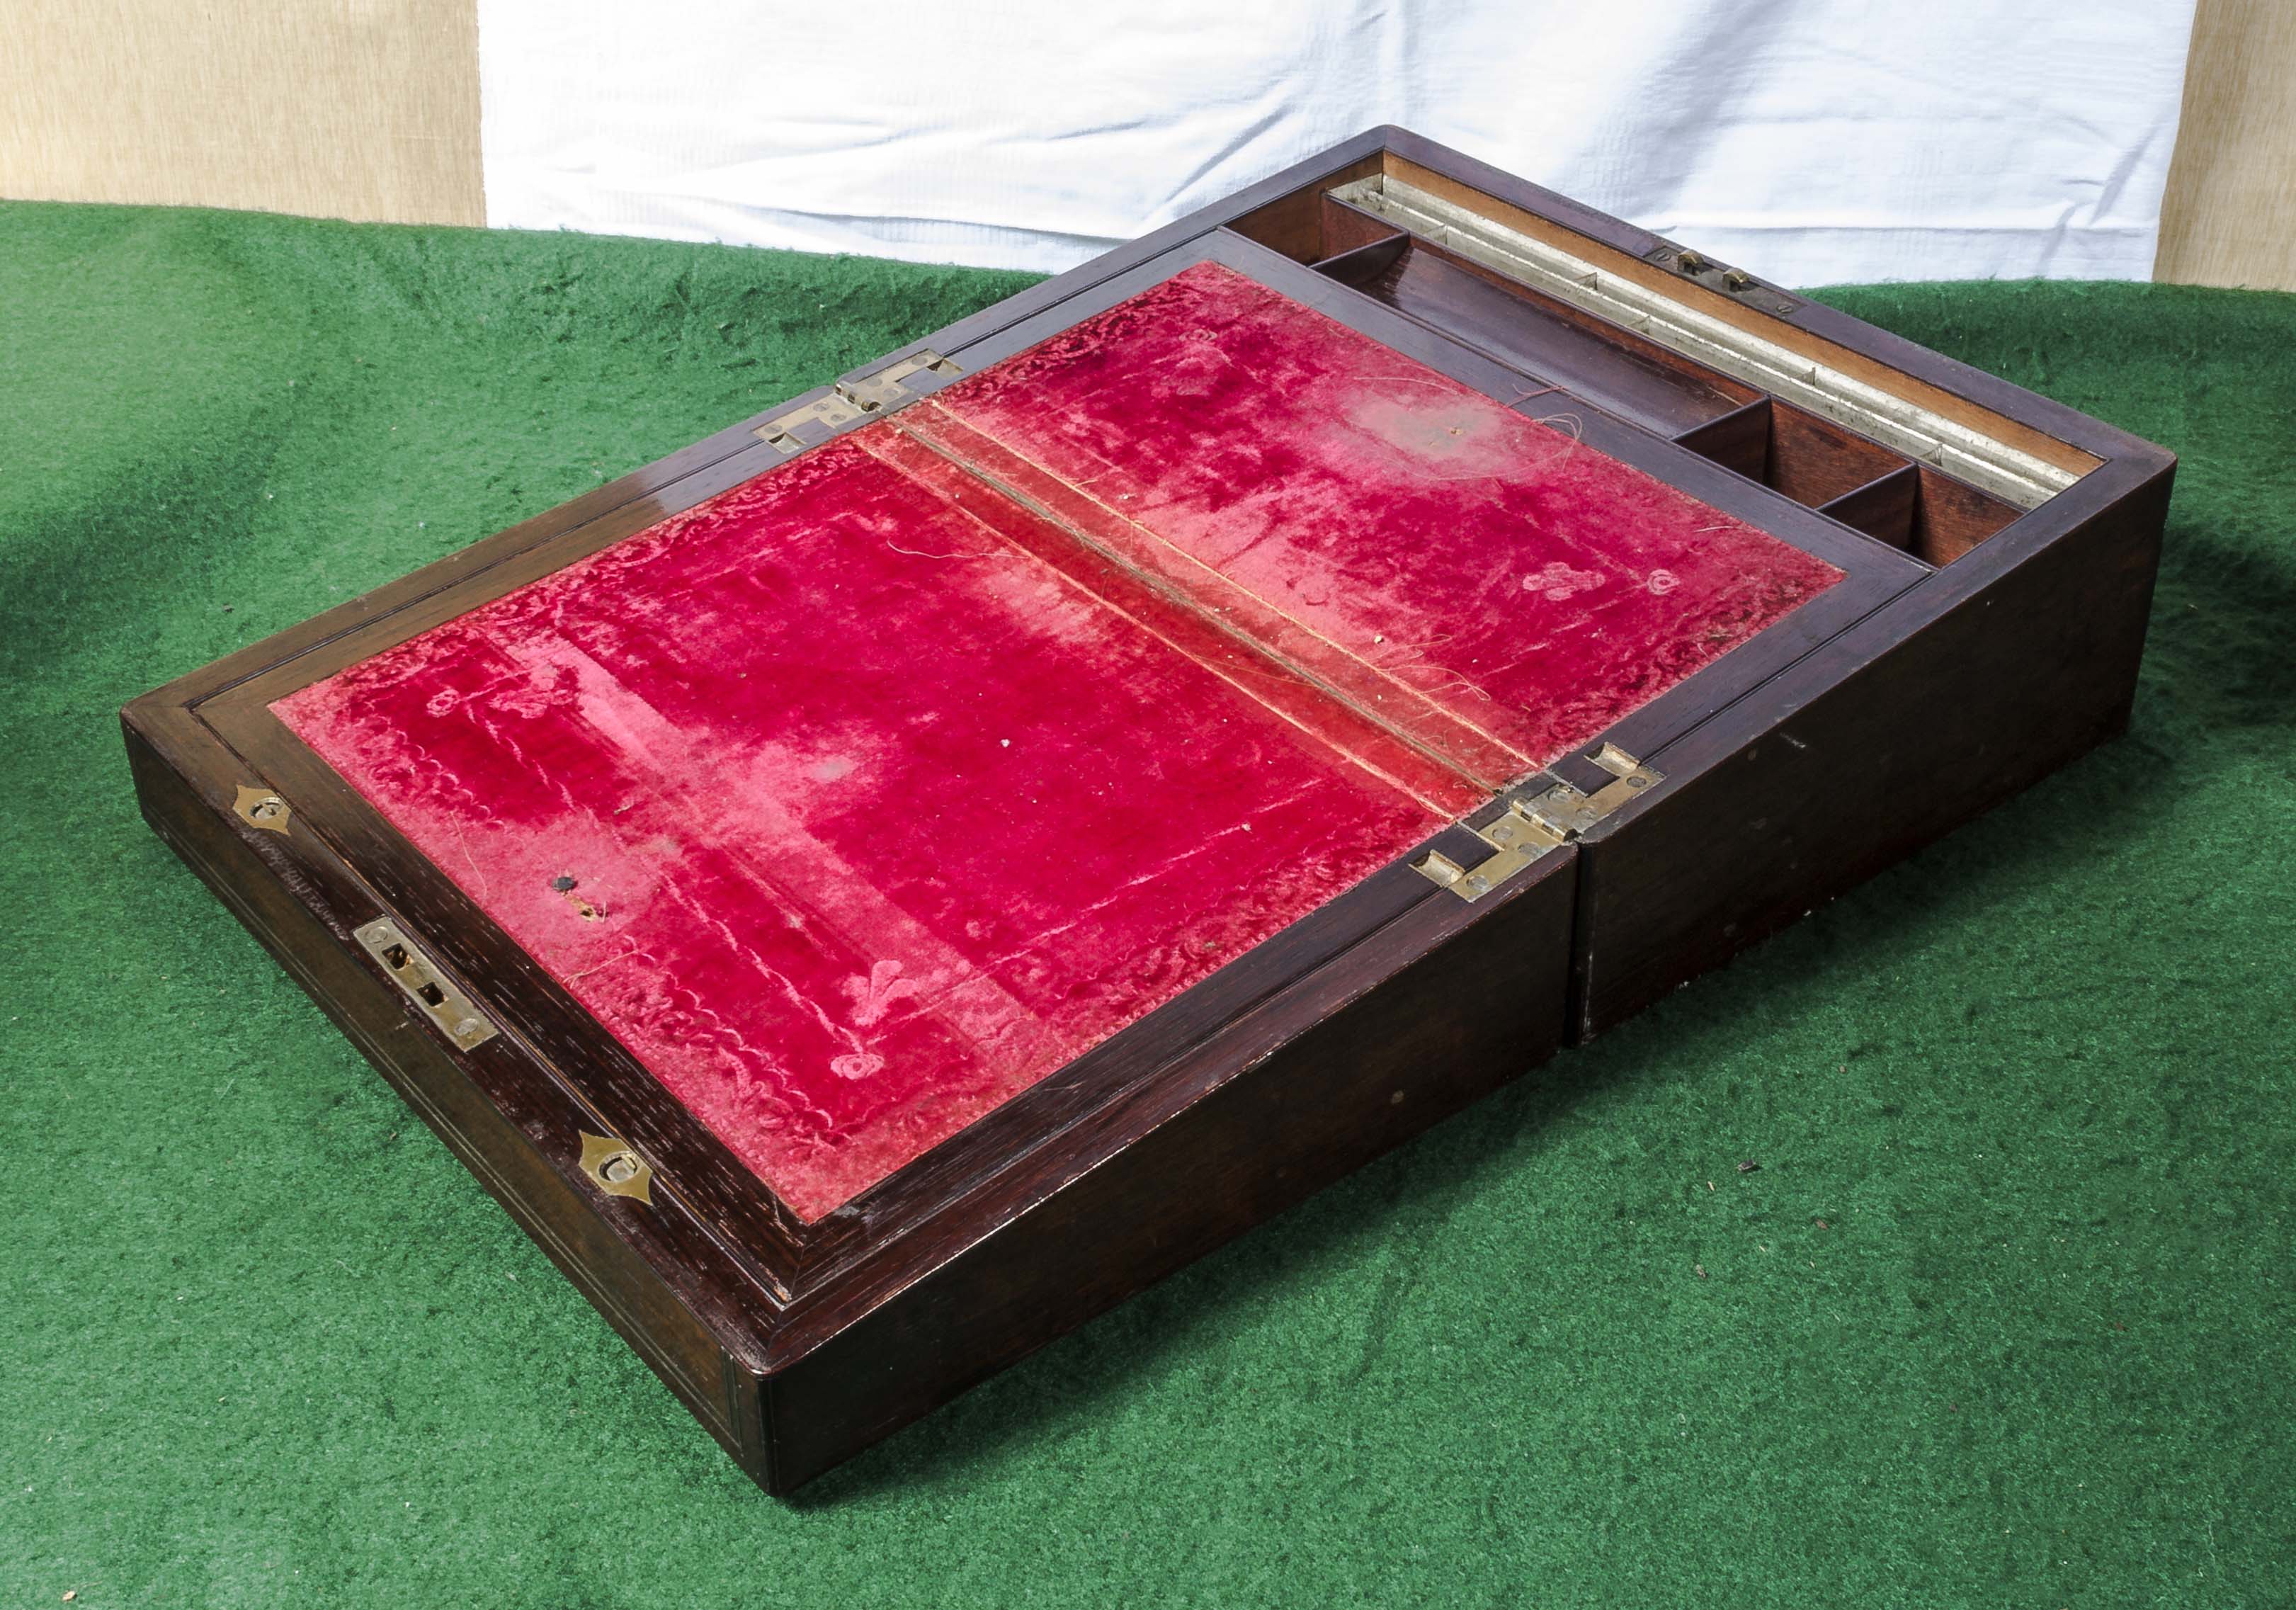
(265, 1343)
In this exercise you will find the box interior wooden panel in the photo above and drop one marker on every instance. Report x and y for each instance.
(930, 860)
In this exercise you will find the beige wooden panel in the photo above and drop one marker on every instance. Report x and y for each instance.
(2229, 215)
(354, 108)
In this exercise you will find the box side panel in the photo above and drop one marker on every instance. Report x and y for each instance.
(1349, 1084)
(631, 1295)
(1957, 695)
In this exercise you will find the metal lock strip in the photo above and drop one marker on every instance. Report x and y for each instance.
(433, 993)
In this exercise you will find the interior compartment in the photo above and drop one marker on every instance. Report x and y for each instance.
(1882, 508)
(1813, 461)
(1341, 229)
(1878, 450)
(1739, 439)
(1546, 339)
(1931, 516)
(1949, 519)
(1847, 478)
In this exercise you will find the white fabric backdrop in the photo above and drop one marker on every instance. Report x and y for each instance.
(1813, 141)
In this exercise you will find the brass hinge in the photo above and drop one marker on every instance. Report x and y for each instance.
(1531, 827)
(431, 990)
(1733, 282)
(855, 399)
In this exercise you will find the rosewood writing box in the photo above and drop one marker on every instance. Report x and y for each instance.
(875, 888)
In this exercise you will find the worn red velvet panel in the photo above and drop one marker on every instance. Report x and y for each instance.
(872, 817)
(1484, 582)
(863, 796)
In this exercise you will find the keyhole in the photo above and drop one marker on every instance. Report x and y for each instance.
(619, 1169)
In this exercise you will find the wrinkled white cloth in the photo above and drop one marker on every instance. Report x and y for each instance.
(1812, 141)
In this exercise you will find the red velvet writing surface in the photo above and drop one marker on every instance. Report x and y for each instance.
(865, 795)
(1480, 580)
(873, 817)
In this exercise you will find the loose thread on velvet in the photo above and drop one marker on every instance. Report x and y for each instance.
(914, 554)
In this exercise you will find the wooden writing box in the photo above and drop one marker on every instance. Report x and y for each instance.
(877, 887)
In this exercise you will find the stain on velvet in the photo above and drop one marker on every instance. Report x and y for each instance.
(861, 797)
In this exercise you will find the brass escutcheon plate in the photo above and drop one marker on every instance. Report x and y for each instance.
(616, 1169)
(261, 807)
